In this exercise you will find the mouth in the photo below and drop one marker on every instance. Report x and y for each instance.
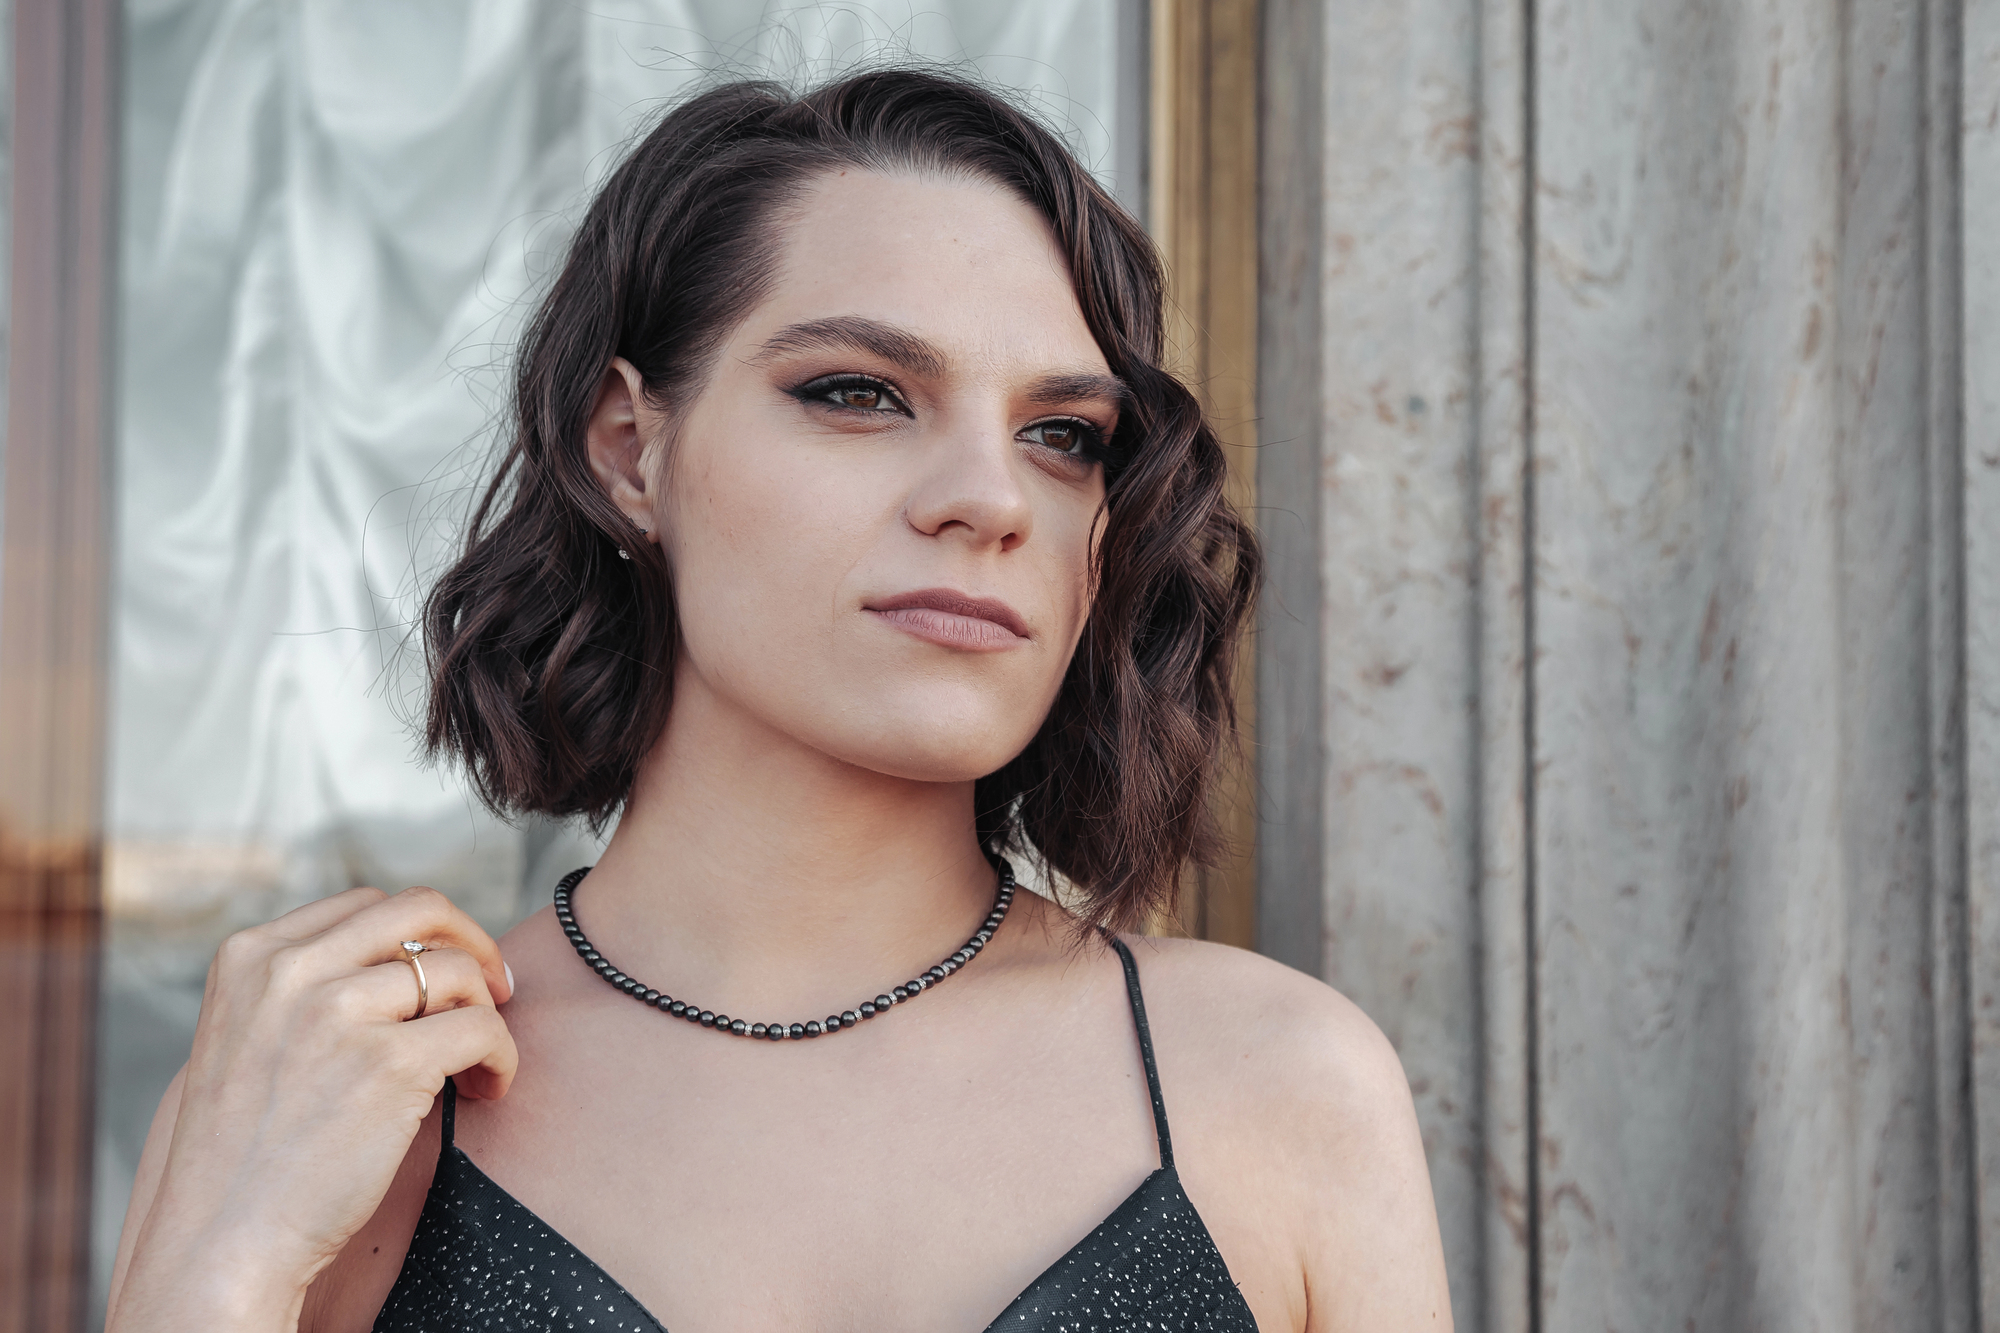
(952, 619)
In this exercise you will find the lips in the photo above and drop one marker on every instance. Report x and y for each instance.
(953, 619)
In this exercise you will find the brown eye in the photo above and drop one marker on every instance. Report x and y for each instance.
(851, 393)
(1065, 437)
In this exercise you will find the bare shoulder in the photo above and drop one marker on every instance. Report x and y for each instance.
(1297, 1135)
(1240, 1021)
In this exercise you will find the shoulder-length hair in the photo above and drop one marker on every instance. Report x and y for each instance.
(547, 652)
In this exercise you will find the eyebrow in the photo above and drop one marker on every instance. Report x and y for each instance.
(903, 348)
(1081, 386)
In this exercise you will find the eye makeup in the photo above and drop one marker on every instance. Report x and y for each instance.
(856, 394)
(851, 392)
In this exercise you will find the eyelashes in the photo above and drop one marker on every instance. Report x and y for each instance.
(852, 393)
(865, 395)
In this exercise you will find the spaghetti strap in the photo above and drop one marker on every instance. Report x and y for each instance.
(450, 1113)
(1145, 1051)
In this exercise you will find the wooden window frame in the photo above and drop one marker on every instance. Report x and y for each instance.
(54, 562)
(1202, 190)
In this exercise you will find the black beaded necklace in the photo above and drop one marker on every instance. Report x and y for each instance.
(660, 1000)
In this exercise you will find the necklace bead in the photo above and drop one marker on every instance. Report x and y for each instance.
(847, 1018)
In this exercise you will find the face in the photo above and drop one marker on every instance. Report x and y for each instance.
(880, 509)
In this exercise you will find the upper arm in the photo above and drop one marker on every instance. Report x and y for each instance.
(1373, 1257)
(146, 1184)
(1304, 1136)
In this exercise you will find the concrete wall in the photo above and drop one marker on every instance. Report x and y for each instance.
(1631, 682)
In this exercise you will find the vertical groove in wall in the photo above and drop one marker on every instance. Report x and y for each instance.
(1977, 131)
(1940, 36)
(1532, 1035)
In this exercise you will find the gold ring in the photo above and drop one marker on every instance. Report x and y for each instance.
(410, 951)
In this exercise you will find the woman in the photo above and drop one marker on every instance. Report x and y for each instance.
(851, 536)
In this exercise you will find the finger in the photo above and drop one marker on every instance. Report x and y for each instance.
(451, 978)
(472, 1042)
(303, 923)
(375, 934)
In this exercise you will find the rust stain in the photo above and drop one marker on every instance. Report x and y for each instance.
(1379, 392)
(1456, 136)
(1386, 674)
(1711, 621)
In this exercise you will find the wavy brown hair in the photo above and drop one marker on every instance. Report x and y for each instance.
(548, 654)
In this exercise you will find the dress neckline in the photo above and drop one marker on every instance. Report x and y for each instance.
(1156, 1227)
(1159, 1190)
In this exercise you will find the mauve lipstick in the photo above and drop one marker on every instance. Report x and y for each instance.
(953, 619)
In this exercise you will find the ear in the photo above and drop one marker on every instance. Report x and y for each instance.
(617, 445)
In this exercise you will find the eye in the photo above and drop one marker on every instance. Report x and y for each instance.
(851, 393)
(1067, 435)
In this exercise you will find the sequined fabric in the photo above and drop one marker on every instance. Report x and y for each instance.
(1150, 1265)
(480, 1260)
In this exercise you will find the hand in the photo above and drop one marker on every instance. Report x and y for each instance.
(307, 1085)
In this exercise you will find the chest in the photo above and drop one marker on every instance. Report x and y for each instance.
(910, 1175)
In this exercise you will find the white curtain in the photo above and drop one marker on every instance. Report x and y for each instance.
(336, 216)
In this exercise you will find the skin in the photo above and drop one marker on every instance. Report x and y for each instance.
(800, 837)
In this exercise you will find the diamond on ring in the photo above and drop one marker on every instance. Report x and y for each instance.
(411, 948)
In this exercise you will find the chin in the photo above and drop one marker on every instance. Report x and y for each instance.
(947, 746)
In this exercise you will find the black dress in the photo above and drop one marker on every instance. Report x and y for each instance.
(481, 1260)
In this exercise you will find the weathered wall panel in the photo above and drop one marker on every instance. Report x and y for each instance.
(1725, 950)
(1397, 485)
(1695, 1129)
(1417, 453)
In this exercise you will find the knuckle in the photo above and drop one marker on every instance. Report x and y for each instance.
(501, 1041)
(241, 949)
(286, 965)
(425, 895)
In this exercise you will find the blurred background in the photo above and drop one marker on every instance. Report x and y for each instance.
(1616, 388)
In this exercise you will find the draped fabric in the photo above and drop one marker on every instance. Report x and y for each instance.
(336, 215)
(1630, 690)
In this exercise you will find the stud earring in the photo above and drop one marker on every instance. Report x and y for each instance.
(624, 554)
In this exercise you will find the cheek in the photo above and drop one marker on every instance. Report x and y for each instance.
(1075, 532)
(759, 542)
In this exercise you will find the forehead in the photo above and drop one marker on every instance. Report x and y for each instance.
(960, 262)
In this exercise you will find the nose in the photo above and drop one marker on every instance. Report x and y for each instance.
(970, 489)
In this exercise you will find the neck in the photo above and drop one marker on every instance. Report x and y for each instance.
(756, 870)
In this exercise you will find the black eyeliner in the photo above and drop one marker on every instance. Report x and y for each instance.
(815, 390)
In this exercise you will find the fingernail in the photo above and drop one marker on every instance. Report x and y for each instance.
(508, 968)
